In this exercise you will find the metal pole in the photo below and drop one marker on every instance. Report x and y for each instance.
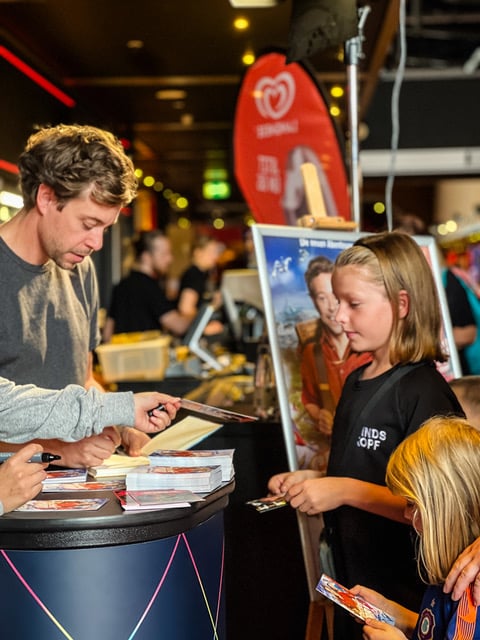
(353, 51)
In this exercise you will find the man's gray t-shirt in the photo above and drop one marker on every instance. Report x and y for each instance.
(48, 321)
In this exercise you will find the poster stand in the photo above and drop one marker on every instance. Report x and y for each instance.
(353, 52)
(320, 611)
(317, 217)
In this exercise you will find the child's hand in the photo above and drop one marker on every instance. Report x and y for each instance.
(280, 483)
(374, 597)
(375, 630)
(405, 620)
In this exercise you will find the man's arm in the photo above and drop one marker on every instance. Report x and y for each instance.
(88, 452)
(187, 303)
(175, 322)
(131, 439)
(108, 329)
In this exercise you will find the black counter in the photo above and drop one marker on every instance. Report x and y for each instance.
(111, 575)
(109, 525)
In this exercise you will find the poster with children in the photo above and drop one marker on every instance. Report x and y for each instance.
(311, 353)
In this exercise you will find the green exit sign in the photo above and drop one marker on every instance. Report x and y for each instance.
(216, 190)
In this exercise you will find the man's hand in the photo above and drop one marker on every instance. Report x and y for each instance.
(88, 452)
(21, 480)
(465, 571)
(133, 441)
(160, 418)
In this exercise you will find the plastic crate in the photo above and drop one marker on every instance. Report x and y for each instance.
(139, 360)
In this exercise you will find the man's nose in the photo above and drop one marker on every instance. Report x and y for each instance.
(95, 239)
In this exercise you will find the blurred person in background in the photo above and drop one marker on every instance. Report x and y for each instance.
(198, 282)
(139, 301)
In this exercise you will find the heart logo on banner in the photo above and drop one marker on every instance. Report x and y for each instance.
(274, 96)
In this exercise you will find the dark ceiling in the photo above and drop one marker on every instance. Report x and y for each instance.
(81, 45)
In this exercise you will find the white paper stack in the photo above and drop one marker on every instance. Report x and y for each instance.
(196, 479)
(210, 458)
(185, 433)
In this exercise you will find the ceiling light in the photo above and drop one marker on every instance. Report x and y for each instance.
(253, 4)
(336, 91)
(170, 94)
(241, 24)
(248, 58)
(186, 119)
(135, 44)
(149, 181)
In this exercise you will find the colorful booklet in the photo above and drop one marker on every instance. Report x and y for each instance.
(268, 503)
(58, 476)
(156, 499)
(356, 605)
(90, 504)
(189, 458)
(196, 479)
(109, 484)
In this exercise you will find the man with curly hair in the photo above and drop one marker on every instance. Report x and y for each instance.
(74, 181)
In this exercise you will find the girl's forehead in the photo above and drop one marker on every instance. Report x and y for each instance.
(356, 278)
(359, 271)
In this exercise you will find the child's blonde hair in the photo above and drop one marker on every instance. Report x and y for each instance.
(438, 469)
(396, 262)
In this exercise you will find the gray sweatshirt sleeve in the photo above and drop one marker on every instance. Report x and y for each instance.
(73, 413)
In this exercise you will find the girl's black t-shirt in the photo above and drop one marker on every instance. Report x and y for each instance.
(368, 549)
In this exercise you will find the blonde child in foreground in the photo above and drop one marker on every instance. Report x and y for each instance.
(437, 471)
(466, 569)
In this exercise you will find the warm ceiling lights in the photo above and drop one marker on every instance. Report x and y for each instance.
(254, 4)
(170, 94)
(135, 44)
(248, 58)
(186, 119)
(241, 24)
(336, 91)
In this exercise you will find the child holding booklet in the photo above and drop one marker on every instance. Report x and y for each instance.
(437, 471)
(388, 305)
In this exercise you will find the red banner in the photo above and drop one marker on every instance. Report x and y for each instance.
(282, 121)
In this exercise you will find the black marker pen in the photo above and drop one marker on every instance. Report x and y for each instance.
(37, 457)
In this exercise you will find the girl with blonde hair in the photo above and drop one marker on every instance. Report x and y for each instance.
(437, 471)
(388, 306)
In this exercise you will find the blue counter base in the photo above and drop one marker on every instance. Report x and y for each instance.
(168, 588)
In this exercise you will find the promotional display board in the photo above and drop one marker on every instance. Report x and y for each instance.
(281, 122)
(283, 255)
(297, 334)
